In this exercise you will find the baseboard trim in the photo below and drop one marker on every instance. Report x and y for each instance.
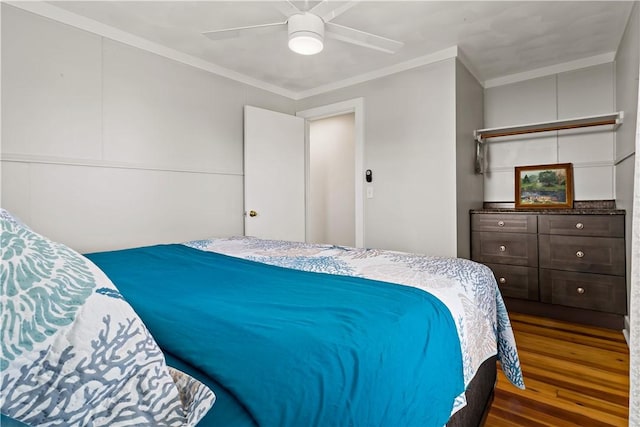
(627, 330)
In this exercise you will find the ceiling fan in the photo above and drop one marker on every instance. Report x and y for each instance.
(307, 29)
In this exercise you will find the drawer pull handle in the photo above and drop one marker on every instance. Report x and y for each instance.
(580, 254)
(580, 290)
(579, 226)
(502, 280)
(502, 248)
(501, 223)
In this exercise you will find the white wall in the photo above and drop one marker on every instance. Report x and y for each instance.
(583, 92)
(332, 176)
(104, 144)
(627, 63)
(469, 185)
(107, 146)
(410, 145)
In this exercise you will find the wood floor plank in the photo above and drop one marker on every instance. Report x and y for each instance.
(601, 405)
(555, 411)
(618, 396)
(605, 401)
(594, 340)
(576, 352)
(506, 417)
(540, 405)
(574, 370)
(612, 337)
(576, 375)
(566, 400)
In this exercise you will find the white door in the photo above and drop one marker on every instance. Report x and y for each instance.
(274, 175)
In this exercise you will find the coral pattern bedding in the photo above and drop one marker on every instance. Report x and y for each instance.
(468, 289)
(297, 348)
(73, 352)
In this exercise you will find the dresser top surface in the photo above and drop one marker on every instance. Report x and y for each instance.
(580, 207)
(550, 211)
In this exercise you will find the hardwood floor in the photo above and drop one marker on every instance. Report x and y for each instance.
(575, 375)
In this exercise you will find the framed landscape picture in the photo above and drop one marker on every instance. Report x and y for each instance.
(544, 186)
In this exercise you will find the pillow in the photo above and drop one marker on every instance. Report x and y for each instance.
(73, 352)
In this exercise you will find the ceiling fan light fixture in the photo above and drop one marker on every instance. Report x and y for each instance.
(305, 43)
(306, 33)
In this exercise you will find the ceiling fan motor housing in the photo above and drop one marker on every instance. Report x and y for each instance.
(306, 33)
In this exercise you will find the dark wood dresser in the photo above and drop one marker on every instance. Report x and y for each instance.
(566, 264)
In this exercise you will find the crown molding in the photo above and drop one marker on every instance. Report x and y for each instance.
(57, 14)
(464, 60)
(441, 55)
(590, 61)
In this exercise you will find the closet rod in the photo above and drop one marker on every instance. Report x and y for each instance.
(481, 135)
(607, 119)
(520, 132)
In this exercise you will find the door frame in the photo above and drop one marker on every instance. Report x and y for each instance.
(355, 106)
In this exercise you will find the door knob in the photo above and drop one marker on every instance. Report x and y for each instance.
(253, 213)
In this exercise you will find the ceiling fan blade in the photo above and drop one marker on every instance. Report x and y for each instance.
(252, 30)
(360, 38)
(327, 10)
(287, 8)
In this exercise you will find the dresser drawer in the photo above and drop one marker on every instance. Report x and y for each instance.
(508, 223)
(604, 255)
(583, 290)
(505, 248)
(582, 225)
(515, 281)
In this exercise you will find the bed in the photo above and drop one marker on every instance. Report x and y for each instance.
(291, 334)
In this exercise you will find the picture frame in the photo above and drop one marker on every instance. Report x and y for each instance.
(544, 186)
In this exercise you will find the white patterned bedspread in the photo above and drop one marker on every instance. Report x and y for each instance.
(467, 288)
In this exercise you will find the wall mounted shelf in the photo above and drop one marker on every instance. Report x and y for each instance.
(481, 135)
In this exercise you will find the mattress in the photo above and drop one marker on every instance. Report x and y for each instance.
(467, 290)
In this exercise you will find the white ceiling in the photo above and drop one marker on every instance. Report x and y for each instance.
(497, 38)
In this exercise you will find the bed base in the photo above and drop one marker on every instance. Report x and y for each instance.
(479, 397)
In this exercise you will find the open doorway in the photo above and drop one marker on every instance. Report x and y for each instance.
(354, 110)
(331, 197)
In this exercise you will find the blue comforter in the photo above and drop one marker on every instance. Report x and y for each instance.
(297, 348)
